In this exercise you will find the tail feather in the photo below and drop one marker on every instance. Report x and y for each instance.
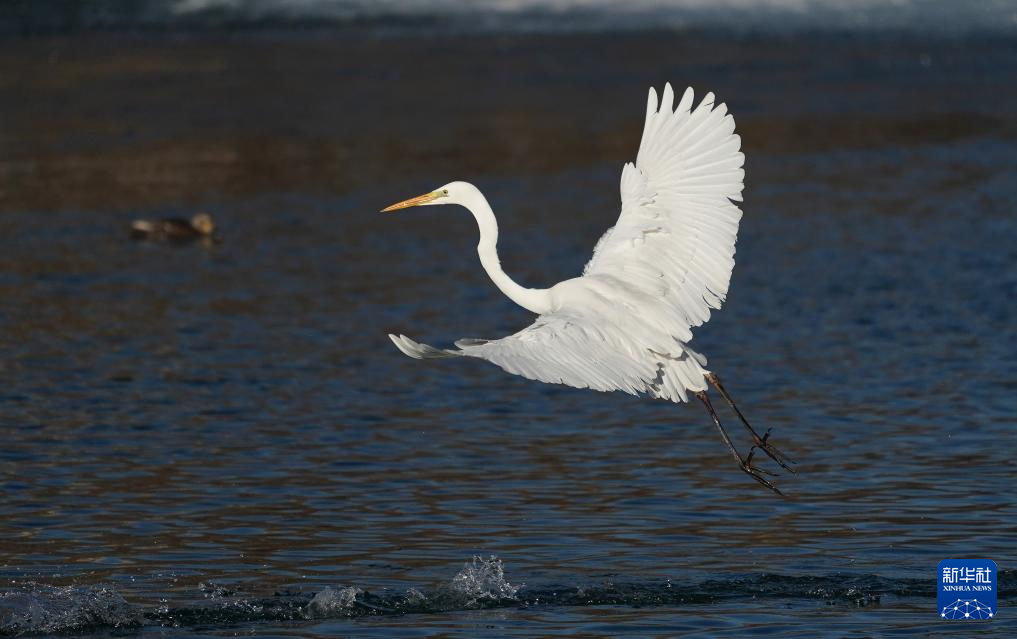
(421, 351)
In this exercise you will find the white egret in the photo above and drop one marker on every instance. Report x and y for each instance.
(625, 324)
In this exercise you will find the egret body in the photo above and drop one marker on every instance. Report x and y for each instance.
(626, 322)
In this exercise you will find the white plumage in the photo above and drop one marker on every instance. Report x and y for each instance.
(626, 323)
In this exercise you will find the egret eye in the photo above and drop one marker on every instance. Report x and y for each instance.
(444, 191)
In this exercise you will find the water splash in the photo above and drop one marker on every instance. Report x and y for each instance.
(480, 584)
(212, 590)
(333, 602)
(482, 580)
(39, 608)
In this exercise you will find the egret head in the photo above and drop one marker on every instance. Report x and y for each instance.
(451, 193)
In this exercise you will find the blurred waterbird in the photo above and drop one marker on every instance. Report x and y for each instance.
(625, 324)
(179, 229)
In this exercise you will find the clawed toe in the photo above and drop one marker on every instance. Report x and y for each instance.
(762, 443)
(773, 452)
(756, 469)
(755, 473)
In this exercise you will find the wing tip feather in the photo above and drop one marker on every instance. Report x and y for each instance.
(417, 350)
(667, 99)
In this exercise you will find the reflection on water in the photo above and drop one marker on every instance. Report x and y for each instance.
(179, 416)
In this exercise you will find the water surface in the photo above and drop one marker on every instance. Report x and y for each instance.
(214, 439)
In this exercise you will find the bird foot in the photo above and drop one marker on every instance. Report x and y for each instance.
(772, 452)
(757, 474)
(760, 443)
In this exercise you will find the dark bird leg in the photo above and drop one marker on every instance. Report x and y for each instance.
(745, 464)
(761, 442)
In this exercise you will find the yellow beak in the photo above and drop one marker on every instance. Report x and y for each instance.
(413, 201)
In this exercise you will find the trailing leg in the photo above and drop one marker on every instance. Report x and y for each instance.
(746, 463)
(761, 442)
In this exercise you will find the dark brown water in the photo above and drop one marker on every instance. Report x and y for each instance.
(219, 439)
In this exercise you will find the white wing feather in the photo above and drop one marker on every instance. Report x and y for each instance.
(557, 349)
(675, 237)
(625, 324)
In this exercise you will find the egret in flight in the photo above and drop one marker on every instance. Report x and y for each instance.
(626, 323)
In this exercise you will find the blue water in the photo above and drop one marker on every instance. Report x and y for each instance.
(212, 439)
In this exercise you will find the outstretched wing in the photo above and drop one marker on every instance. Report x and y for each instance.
(675, 238)
(558, 348)
(577, 349)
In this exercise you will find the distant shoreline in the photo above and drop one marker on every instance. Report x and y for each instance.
(444, 17)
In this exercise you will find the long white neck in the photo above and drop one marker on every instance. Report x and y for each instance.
(536, 300)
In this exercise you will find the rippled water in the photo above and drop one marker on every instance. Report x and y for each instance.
(214, 439)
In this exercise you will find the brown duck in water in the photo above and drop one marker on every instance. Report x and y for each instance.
(200, 226)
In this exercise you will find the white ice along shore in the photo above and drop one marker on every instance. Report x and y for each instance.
(947, 16)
